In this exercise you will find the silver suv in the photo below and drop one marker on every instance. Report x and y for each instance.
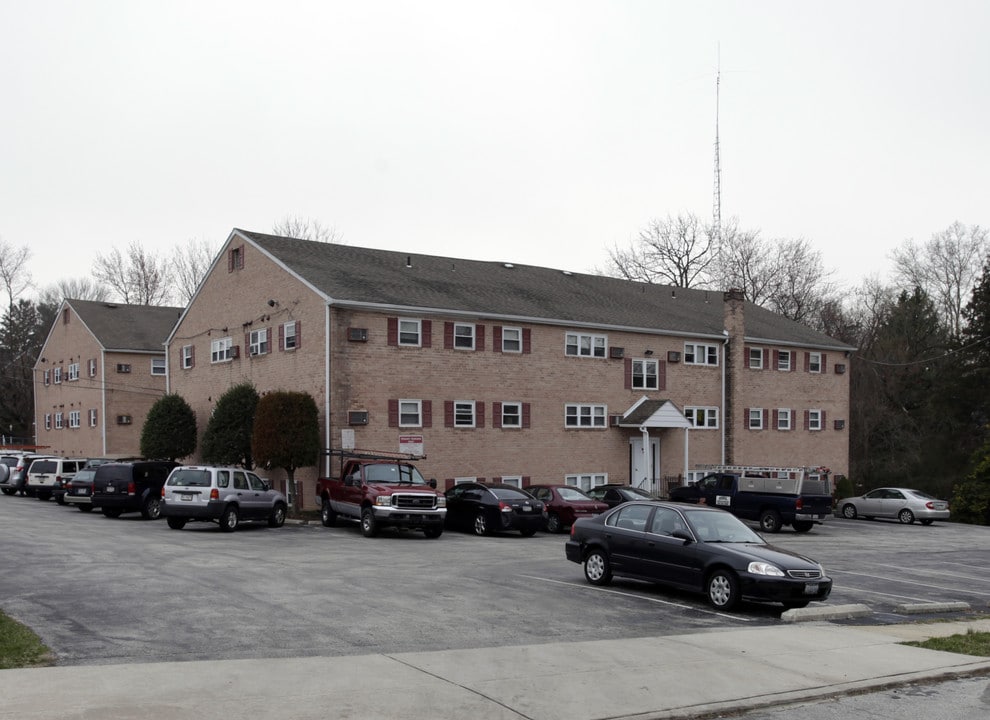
(16, 476)
(220, 494)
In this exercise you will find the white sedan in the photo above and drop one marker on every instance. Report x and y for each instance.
(905, 504)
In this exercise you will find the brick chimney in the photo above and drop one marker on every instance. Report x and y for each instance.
(734, 302)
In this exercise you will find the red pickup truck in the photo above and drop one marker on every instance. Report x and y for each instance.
(381, 491)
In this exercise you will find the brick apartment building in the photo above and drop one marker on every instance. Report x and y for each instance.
(501, 371)
(100, 370)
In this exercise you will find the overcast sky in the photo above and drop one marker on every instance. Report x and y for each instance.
(535, 132)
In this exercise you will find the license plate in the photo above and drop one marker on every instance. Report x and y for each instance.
(185, 496)
(109, 488)
(80, 491)
(811, 588)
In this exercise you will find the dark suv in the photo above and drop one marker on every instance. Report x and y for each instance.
(121, 487)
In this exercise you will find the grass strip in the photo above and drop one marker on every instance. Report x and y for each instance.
(20, 647)
(968, 643)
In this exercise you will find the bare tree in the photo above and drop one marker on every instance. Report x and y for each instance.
(745, 262)
(946, 267)
(189, 267)
(72, 288)
(138, 278)
(679, 251)
(13, 270)
(800, 286)
(306, 229)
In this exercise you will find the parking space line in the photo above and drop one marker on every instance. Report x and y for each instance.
(585, 586)
(910, 582)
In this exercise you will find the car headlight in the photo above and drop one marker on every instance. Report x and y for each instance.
(765, 568)
(383, 500)
(441, 501)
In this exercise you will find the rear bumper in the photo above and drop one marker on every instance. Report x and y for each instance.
(573, 551)
(124, 503)
(211, 510)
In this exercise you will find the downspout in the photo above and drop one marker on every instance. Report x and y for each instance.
(647, 454)
(326, 393)
(103, 399)
(725, 416)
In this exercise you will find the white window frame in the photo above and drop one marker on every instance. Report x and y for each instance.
(289, 335)
(815, 420)
(57, 375)
(258, 342)
(92, 417)
(221, 350)
(92, 367)
(462, 480)
(158, 364)
(74, 418)
(464, 414)
(755, 358)
(755, 419)
(645, 375)
(73, 374)
(784, 358)
(585, 345)
(707, 352)
(464, 336)
(187, 357)
(518, 415)
(406, 329)
(585, 481)
(512, 339)
(513, 480)
(48, 421)
(585, 416)
(785, 419)
(409, 408)
(707, 414)
(693, 476)
(48, 377)
(814, 362)
(58, 421)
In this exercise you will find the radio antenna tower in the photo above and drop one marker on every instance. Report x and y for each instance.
(717, 200)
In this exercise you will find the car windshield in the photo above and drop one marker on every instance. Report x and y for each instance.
(393, 473)
(720, 527)
(573, 494)
(84, 476)
(190, 478)
(510, 494)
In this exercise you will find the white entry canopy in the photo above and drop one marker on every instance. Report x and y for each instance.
(646, 413)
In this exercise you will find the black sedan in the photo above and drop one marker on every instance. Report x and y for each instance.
(615, 494)
(487, 508)
(695, 548)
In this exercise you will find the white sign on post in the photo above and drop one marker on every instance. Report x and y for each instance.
(411, 444)
(346, 439)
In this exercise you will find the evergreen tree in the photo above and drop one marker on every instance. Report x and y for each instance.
(971, 499)
(169, 431)
(21, 337)
(227, 439)
(286, 434)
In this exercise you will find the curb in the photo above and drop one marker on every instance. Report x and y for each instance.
(833, 612)
(919, 608)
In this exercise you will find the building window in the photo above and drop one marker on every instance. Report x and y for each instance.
(783, 419)
(74, 417)
(235, 258)
(57, 375)
(157, 366)
(756, 358)
(58, 421)
(512, 340)
(584, 416)
(645, 374)
(702, 417)
(48, 377)
(48, 421)
(815, 362)
(700, 354)
(258, 342)
(513, 480)
(188, 357)
(784, 360)
(511, 415)
(755, 418)
(92, 367)
(586, 481)
(814, 419)
(464, 413)
(221, 350)
(290, 335)
(410, 413)
(73, 372)
(92, 418)
(409, 332)
(584, 345)
(464, 336)
(693, 476)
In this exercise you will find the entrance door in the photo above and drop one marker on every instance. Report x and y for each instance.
(643, 471)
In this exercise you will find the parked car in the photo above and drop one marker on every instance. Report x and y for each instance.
(695, 548)
(905, 504)
(564, 504)
(493, 507)
(46, 477)
(614, 494)
(227, 496)
(7, 462)
(124, 487)
(80, 489)
(16, 480)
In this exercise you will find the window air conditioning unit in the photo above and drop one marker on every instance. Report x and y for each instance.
(235, 351)
(357, 334)
(357, 417)
(840, 368)
(839, 424)
(673, 356)
(616, 352)
(123, 368)
(124, 420)
(613, 420)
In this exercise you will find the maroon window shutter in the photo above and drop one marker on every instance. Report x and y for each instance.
(393, 331)
(448, 413)
(748, 351)
(525, 415)
(393, 413)
(823, 417)
(526, 480)
(807, 362)
(448, 336)
(628, 373)
(479, 337)
(192, 356)
(230, 260)
(766, 418)
(496, 414)
(298, 334)
(497, 338)
(497, 479)
(427, 413)
(824, 366)
(746, 418)
(807, 419)
(527, 341)
(247, 342)
(427, 339)
(661, 374)
(776, 359)
(281, 336)
(448, 483)
(479, 414)
(776, 419)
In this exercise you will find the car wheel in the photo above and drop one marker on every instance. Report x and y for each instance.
(44, 496)
(327, 516)
(906, 516)
(176, 523)
(433, 532)
(85, 508)
(369, 526)
(112, 512)
(277, 518)
(229, 519)
(597, 568)
(152, 508)
(796, 604)
(927, 522)
(527, 531)
(849, 511)
(480, 524)
(770, 521)
(8, 491)
(553, 523)
(802, 526)
(722, 589)
(60, 499)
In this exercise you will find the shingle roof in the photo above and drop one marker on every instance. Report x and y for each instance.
(345, 273)
(127, 327)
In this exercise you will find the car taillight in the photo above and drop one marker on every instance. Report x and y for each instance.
(930, 505)
(163, 491)
(799, 504)
(504, 507)
(214, 494)
(58, 480)
(131, 488)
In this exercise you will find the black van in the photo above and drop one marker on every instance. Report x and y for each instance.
(121, 487)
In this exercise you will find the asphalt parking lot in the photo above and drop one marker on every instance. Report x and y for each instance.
(104, 591)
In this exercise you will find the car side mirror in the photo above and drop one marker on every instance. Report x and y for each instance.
(683, 535)
(433, 483)
(267, 485)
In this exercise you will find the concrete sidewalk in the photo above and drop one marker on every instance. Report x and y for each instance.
(665, 677)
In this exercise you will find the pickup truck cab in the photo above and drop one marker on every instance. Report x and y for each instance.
(772, 496)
